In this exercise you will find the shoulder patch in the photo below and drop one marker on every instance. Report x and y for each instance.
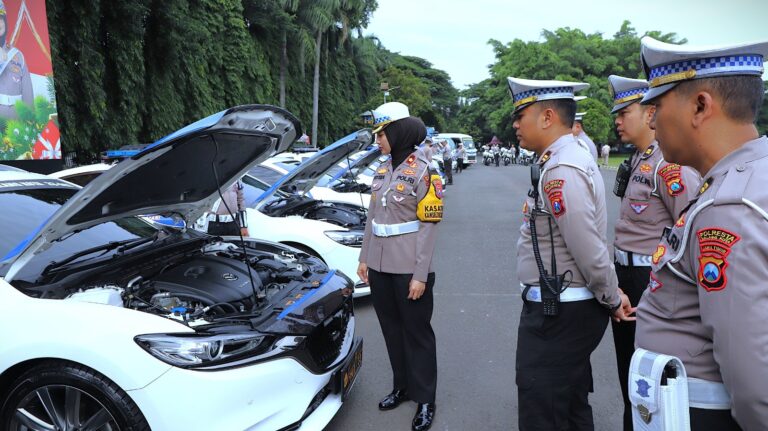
(545, 157)
(648, 152)
(714, 247)
(653, 283)
(382, 171)
(553, 185)
(671, 174)
(558, 205)
(705, 186)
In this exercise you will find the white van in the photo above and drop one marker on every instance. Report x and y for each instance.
(466, 140)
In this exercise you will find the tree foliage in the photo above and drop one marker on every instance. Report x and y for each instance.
(132, 71)
(563, 54)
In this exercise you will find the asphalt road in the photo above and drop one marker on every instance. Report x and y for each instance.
(477, 309)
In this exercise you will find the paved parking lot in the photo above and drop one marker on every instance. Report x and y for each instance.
(477, 308)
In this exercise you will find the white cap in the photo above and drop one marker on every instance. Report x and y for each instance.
(579, 98)
(527, 91)
(579, 116)
(666, 64)
(387, 113)
(626, 91)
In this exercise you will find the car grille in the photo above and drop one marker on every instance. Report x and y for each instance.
(471, 158)
(324, 345)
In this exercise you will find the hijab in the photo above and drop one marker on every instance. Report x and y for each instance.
(403, 136)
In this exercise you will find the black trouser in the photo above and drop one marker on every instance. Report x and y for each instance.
(712, 420)
(407, 332)
(448, 169)
(632, 280)
(223, 228)
(554, 376)
(459, 164)
(496, 158)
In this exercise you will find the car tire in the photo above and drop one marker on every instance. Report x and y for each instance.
(64, 384)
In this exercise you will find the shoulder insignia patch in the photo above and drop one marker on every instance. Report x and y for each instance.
(658, 254)
(409, 172)
(714, 247)
(400, 187)
(525, 207)
(672, 177)
(648, 152)
(438, 183)
(411, 159)
(382, 171)
(705, 186)
(556, 200)
(553, 185)
(545, 157)
(653, 283)
(681, 221)
(645, 168)
(638, 207)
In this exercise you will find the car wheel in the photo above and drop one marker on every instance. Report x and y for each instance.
(58, 395)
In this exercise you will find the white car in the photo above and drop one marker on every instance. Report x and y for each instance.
(81, 175)
(111, 323)
(284, 211)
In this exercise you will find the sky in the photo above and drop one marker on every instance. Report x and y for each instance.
(453, 34)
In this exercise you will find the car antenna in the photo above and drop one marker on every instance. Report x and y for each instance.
(246, 259)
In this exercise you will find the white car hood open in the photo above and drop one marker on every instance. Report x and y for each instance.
(302, 178)
(179, 174)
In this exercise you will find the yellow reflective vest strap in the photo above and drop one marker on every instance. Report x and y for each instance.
(430, 208)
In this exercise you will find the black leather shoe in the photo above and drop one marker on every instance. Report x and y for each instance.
(393, 400)
(424, 415)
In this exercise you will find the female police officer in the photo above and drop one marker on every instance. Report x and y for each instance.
(396, 258)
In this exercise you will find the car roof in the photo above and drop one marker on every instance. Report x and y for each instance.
(20, 176)
(66, 173)
(10, 168)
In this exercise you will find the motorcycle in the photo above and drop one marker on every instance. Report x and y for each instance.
(506, 156)
(526, 157)
(487, 158)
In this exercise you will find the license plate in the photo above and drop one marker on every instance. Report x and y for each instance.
(347, 374)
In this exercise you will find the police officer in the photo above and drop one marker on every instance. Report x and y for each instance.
(461, 154)
(581, 137)
(445, 150)
(569, 287)
(707, 300)
(396, 258)
(229, 217)
(653, 193)
(15, 82)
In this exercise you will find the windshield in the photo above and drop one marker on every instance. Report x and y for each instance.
(468, 143)
(27, 210)
(332, 175)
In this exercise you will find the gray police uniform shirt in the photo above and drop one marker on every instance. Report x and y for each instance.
(707, 298)
(395, 195)
(656, 194)
(572, 192)
(589, 144)
(15, 83)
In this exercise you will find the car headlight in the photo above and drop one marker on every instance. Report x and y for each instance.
(351, 238)
(193, 350)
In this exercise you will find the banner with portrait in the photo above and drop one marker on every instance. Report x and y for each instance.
(29, 128)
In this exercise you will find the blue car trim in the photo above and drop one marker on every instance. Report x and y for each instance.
(319, 154)
(23, 244)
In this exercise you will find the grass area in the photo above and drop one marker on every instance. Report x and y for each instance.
(614, 160)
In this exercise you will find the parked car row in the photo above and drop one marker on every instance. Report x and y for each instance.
(126, 323)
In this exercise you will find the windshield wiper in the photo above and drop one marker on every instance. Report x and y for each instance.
(121, 246)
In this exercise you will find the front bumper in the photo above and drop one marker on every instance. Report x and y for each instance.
(271, 395)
